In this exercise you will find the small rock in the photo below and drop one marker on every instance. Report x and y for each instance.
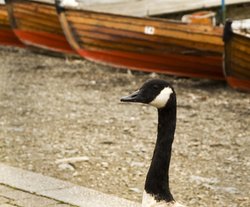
(199, 179)
(66, 166)
(107, 142)
(137, 164)
(129, 73)
(72, 160)
(136, 190)
(75, 174)
(153, 75)
(93, 82)
(105, 164)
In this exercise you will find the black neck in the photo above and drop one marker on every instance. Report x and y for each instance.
(157, 181)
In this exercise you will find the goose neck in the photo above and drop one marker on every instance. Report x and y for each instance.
(157, 181)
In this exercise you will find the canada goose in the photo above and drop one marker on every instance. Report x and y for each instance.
(161, 95)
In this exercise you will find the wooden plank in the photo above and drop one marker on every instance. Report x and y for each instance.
(238, 83)
(240, 54)
(7, 36)
(182, 35)
(169, 43)
(172, 60)
(131, 61)
(38, 15)
(242, 43)
(237, 61)
(173, 43)
(44, 21)
(155, 22)
(154, 57)
(240, 71)
(31, 26)
(3, 16)
(4, 22)
(162, 47)
(35, 7)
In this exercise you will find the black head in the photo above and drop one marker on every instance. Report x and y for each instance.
(154, 92)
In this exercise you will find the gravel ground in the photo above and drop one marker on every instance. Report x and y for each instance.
(52, 109)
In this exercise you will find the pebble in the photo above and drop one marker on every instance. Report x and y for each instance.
(105, 164)
(66, 166)
(137, 164)
(199, 179)
(136, 190)
(72, 160)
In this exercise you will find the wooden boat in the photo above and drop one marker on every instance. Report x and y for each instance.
(7, 36)
(237, 54)
(147, 44)
(36, 24)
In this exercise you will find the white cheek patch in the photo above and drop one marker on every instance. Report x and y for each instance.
(161, 100)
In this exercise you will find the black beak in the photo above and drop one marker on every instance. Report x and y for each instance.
(134, 97)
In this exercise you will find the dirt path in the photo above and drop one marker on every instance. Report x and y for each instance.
(51, 109)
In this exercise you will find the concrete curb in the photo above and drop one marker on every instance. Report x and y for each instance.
(58, 189)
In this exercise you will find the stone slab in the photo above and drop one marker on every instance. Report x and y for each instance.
(59, 190)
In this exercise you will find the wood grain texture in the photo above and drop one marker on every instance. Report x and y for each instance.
(7, 36)
(36, 24)
(237, 61)
(147, 44)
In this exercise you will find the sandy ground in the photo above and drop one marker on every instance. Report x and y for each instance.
(52, 109)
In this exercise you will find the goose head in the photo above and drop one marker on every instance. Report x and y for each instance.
(157, 93)
(161, 95)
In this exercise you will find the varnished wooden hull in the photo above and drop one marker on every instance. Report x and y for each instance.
(36, 24)
(145, 44)
(7, 36)
(237, 61)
